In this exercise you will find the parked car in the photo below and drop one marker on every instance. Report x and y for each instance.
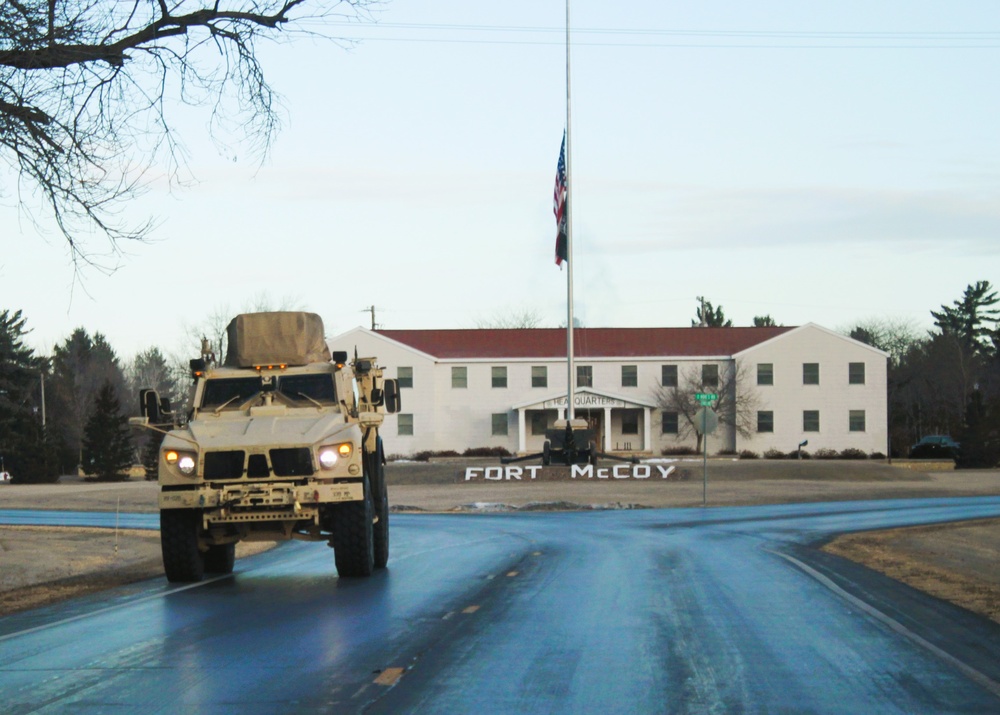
(935, 445)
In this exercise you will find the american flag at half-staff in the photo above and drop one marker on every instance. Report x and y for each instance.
(559, 205)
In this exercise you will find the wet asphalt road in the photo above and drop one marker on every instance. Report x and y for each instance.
(721, 610)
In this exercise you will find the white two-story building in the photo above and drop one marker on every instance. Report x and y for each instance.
(502, 388)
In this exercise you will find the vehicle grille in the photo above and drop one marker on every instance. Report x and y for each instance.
(286, 462)
(257, 467)
(224, 465)
(292, 462)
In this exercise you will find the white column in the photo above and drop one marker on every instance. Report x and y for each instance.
(607, 430)
(647, 429)
(522, 442)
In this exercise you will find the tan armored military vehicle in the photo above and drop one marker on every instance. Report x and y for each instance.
(281, 442)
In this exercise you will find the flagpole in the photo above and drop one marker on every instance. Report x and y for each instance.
(570, 411)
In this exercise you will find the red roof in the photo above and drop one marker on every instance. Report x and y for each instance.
(588, 342)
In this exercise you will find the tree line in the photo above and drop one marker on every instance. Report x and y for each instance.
(69, 410)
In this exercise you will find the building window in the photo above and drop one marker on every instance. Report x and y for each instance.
(539, 423)
(810, 373)
(856, 421)
(668, 375)
(498, 375)
(765, 421)
(460, 377)
(499, 420)
(669, 423)
(404, 376)
(856, 373)
(810, 420)
(765, 373)
(539, 376)
(404, 424)
(630, 422)
(584, 376)
(709, 375)
(630, 376)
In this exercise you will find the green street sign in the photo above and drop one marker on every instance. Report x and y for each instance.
(705, 398)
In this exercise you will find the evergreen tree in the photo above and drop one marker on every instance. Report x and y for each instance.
(973, 319)
(80, 366)
(28, 453)
(708, 317)
(107, 440)
(980, 435)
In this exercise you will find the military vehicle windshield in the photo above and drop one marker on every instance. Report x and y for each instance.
(230, 391)
(299, 389)
(308, 388)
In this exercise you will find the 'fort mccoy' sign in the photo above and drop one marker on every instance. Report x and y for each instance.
(578, 471)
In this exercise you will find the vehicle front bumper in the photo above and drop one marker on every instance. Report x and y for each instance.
(261, 502)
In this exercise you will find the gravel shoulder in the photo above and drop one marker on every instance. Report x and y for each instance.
(957, 562)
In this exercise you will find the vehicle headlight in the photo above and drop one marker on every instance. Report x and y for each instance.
(329, 454)
(184, 461)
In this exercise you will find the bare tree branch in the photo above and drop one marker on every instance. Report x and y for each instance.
(736, 407)
(85, 86)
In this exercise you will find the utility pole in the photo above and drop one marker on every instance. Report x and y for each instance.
(371, 309)
(701, 313)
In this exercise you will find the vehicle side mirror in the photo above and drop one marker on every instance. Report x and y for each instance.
(149, 405)
(377, 397)
(165, 409)
(390, 396)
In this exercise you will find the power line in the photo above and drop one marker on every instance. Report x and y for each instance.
(754, 39)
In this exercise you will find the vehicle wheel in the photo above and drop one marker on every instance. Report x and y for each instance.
(220, 558)
(182, 561)
(353, 536)
(546, 453)
(593, 454)
(380, 494)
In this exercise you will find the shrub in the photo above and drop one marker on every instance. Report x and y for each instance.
(774, 454)
(876, 455)
(726, 453)
(486, 452)
(852, 453)
(748, 454)
(825, 453)
(678, 451)
(429, 454)
(796, 454)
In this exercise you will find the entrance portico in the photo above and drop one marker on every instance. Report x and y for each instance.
(618, 422)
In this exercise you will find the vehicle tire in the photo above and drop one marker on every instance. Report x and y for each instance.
(380, 494)
(546, 453)
(182, 561)
(353, 536)
(220, 558)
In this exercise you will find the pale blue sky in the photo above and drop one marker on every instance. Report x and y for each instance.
(819, 162)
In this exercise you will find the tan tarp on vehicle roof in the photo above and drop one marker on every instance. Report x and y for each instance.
(292, 338)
